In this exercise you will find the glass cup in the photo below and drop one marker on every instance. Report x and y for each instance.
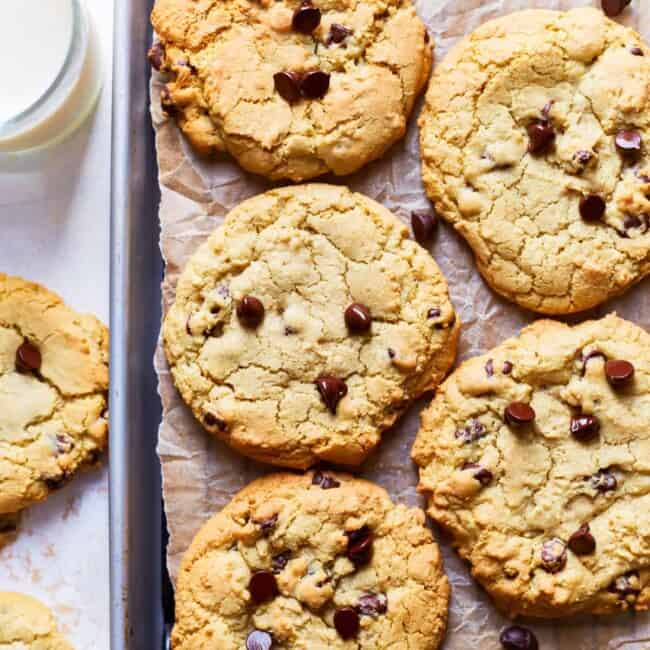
(56, 78)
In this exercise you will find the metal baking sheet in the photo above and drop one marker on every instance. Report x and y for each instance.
(137, 620)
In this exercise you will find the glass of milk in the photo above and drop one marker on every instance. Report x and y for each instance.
(52, 76)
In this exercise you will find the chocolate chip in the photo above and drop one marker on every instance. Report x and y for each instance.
(391, 353)
(516, 637)
(636, 51)
(215, 331)
(614, 7)
(306, 18)
(582, 542)
(263, 586)
(357, 317)
(507, 367)
(325, 482)
(619, 372)
(584, 427)
(553, 555)
(427, 38)
(359, 549)
(472, 432)
(56, 482)
(628, 141)
(583, 157)
(592, 207)
(332, 390)
(489, 367)
(156, 55)
(287, 85)
(423, 225)
(250, 311)
(346, 622)
(268, 524)
(483, 475)
(604, 480)
(166, 102)
(628, 584)
(338, 33)
(280, 561)
(541, 136)
(434, 312)
(259, 640)
(28, 357)
(315, 84)
(211, 420)
(371, 604)
(64, 443)
(519, 413)
(632, 221)
(594, 354)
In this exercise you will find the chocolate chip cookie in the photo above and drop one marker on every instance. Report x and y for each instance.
(536, 457)
(304, 326)
(53, 393)
(291, 89)
(322, 560)
(27, 624)
(535, 144)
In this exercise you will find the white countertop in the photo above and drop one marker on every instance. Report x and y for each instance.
(55, 230)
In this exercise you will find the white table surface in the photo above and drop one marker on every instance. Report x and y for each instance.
(55, 230)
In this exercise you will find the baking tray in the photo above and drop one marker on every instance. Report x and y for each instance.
(136, 538)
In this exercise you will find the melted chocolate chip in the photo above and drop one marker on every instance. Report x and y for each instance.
(614, 7)
(483, 475)
(516, 637)
(507, 367)
(592, 207)
(434, 312)
(519, 414)
(357, 317)
(359, 550)
(263, 586)
(250, 311)
(628, 584)
(315, 84)
(619, 372)
(583, 157)
(582, 542)
(489, 367)
(325, 482)
(287, 85)
(391, 353)
(28, 358)
(628, 141)
(259, 640)
(371, 604)
(541, 135)
(338, 33)
(332, 390)
(156, 55)
(553, 555)
(56, 482)
(423, 225)
(604, 481)
(346, 622)
(584, 427)
(306, 18)
(472, 432)
(636, 51)
(166, 101)
(211, 421)
(280, 561)
(64, 443)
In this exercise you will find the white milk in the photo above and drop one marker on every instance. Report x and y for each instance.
(35, 38)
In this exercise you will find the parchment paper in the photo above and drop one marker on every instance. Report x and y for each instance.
(201, 474)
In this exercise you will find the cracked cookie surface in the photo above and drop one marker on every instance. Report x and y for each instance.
(268, 339)
(535, 142)
(27, 624)
(323, 543)
(223, 56)
(550, 510)
(53, 393)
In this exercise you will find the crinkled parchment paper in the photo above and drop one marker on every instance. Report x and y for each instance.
(201, 474)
